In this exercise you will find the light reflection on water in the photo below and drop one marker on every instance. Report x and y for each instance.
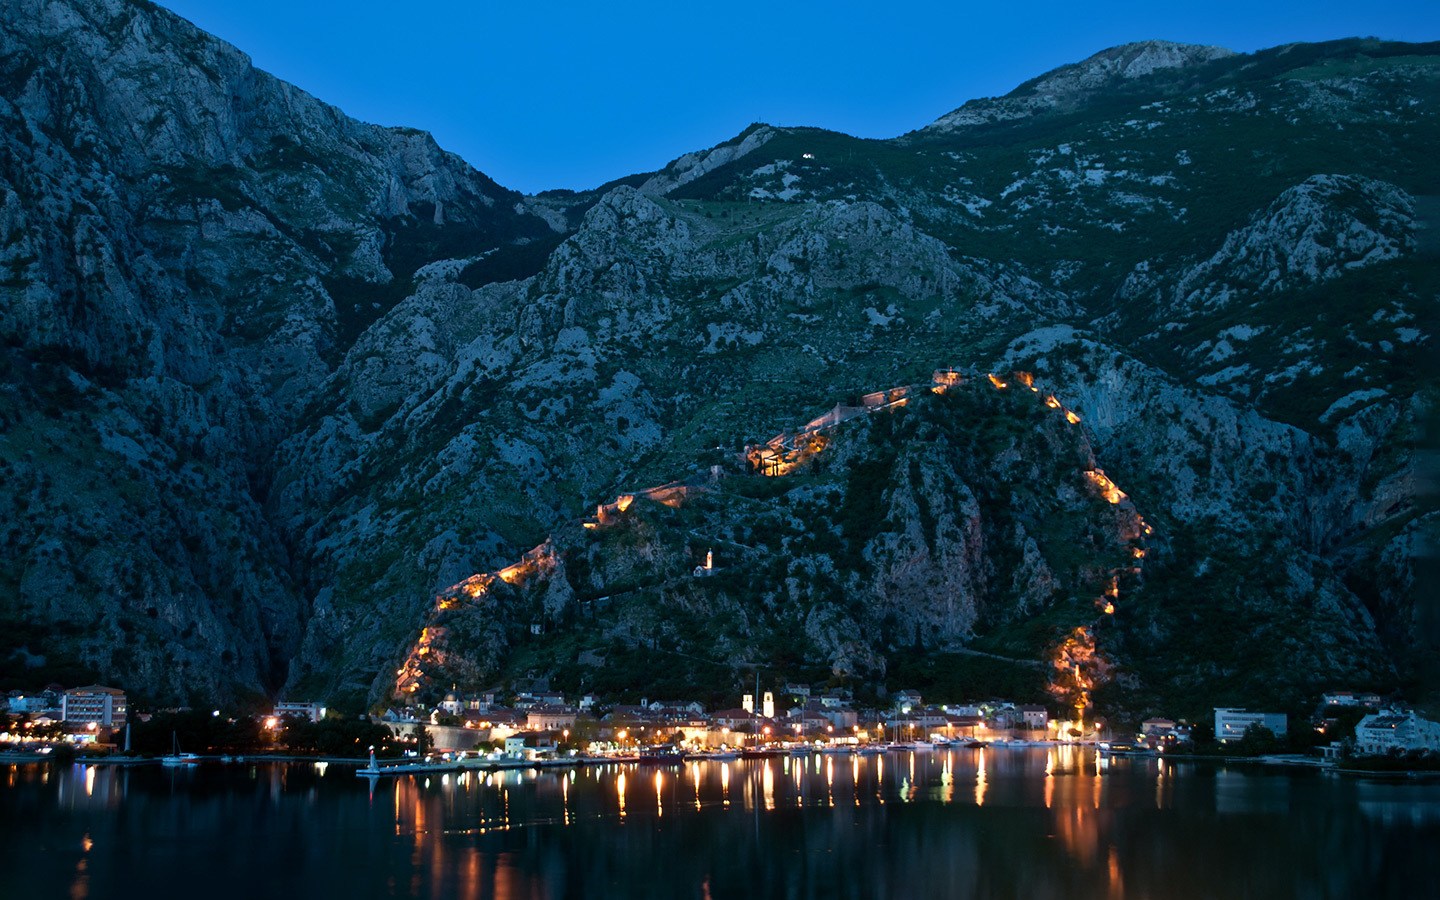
(1043, 822)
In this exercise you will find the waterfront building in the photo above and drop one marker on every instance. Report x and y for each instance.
(1396, 730)
(1231, 723)
(104, 706)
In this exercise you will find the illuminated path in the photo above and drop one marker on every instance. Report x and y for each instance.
(1076, 662)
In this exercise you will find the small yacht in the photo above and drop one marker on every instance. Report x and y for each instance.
(176, 758)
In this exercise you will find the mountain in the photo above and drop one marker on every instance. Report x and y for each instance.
(282, 389)
(1074, 87)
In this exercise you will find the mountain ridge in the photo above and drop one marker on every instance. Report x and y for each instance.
(259, 411)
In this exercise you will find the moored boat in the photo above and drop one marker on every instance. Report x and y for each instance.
(176, 758)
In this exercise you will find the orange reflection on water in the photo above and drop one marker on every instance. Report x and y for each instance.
(1117, 880)
(980, 778)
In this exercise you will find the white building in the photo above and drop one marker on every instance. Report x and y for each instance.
(22, 703)
(1036, 717)
(966, 709)
(452, 705)
(1392, 729)
(307, 709)
(1350, 698)
(104, 706)
(907, 700)
(1231, 723)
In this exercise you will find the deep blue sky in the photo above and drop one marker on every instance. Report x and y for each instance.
(541, 94)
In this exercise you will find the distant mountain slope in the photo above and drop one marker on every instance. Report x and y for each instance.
(275, 379)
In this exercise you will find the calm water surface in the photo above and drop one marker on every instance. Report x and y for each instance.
(1004, 823)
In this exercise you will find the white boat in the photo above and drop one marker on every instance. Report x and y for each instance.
(176, 758)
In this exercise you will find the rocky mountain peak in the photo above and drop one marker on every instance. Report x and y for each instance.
(1126, 61)
(1071, 85)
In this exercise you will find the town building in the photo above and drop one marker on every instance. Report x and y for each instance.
(734, 718)
(1350, 698)
(1161, 733)
(306, 709)
(549, 718)
(1394, 730)
(104, 706)
(1231, 723)
(452, 705)
(967, 709)
(841, 718)
(21, 703)
(1004, 716)
(1036, 718)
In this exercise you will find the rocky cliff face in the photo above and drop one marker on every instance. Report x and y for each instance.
(188, 245)
(275, 379)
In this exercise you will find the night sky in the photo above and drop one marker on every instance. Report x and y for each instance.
(548, 94)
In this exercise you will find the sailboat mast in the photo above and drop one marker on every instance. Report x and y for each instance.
(755, 710)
